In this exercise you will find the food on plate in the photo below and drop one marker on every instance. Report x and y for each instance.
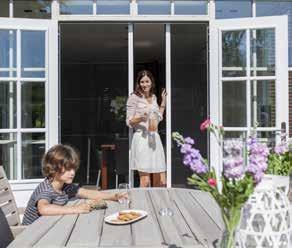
(127, 216)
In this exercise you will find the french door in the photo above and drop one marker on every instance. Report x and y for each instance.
(28, 94)
(248, 79)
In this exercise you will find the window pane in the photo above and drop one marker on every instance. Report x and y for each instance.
(33, 148)
(76, 7)
(268, 137)
(235, 135)
(4, 8)
(234, 104)
(190, 7)
(7, 59)
(279, 7)
(8, 154)
(32, 105)
(32, 9)
(158, 7)
(7, 105)
(234, 53)
(112, 7)
(263, 103)
(33, 54)
(263, 52)
(233, 9)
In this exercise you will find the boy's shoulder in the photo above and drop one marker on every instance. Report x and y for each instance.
(44, 186)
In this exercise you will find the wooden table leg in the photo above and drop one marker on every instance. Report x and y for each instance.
(103, 172)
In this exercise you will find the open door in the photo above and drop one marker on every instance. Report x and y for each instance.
(28, 94)
(248, 79)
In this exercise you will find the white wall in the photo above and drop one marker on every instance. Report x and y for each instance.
(22, 192)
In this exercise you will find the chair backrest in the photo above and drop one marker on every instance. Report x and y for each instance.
(7, 201)
(122, 156)
(5, 232)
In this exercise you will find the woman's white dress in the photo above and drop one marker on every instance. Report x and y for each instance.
(147, 154)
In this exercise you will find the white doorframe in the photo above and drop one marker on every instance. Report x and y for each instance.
(280, 24)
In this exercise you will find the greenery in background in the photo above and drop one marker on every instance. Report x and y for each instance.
(279, 162)
(118, 107)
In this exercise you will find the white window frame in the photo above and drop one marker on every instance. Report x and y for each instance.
(280, 24)
(51, 84)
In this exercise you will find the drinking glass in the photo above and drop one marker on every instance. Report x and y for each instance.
(124, 188)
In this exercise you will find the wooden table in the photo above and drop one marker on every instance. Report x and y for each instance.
(196, 223)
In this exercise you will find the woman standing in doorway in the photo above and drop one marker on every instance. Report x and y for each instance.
(143, 115)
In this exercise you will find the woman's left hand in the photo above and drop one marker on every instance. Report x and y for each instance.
(163, 96)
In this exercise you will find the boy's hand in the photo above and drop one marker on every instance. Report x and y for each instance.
(82, 208)
(121, 196)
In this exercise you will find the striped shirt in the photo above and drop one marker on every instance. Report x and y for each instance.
(45, 191)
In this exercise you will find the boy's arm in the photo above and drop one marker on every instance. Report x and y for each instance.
(46, 208)
(96, 195)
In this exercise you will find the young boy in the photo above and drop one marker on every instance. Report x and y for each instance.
(49, 198)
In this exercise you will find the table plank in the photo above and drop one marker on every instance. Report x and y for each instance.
(61, 232)
(181, 201)
(199, 216)
(34, 232)
(115, 235)
(88, 227)
(147, 231)
(175, 230)
(209, 205)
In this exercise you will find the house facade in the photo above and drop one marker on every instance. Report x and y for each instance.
(67, 68)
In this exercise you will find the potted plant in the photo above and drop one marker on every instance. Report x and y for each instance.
(237, 180)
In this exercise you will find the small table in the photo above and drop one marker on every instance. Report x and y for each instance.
(196, 223)
(104, 148)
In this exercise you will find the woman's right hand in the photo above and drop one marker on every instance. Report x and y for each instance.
(82, 208)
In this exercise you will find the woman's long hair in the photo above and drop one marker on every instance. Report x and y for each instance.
(138, 91)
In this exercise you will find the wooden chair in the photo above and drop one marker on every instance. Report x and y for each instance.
(5, 231)
(8, 205)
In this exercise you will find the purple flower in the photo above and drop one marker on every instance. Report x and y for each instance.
(233, 162)
(189, 140)
(280, 149)
(198, 166)
(185, 148)
(258, 159)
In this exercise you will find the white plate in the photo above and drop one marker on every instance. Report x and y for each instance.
(111, 218)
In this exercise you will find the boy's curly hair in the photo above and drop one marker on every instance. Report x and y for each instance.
(58, 159)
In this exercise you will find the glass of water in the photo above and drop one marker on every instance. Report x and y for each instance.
(124, 188)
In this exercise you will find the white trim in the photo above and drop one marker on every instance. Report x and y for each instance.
(53, 85)
(172, 7)
(254, 8)
(94, 7)
(5, 79)
(282, 84)
(211, 10)
(11, 8)
(214, 54)
(18, 110)
(138, 18)
(55, 9)
(130, 88)
(168, 101)
(248, 81)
